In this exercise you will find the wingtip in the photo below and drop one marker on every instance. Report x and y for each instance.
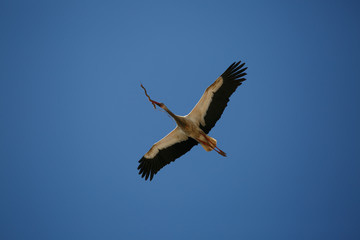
(234, 71)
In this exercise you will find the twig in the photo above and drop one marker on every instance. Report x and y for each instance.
(148, 96)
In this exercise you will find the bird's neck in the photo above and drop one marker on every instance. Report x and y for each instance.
(170, 113)
(178, 119)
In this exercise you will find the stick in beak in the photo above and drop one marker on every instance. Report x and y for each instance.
(152, 101)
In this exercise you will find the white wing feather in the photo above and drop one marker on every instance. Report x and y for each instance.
(175, 136)
(197, 114)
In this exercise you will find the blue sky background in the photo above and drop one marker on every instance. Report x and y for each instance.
(74, 121)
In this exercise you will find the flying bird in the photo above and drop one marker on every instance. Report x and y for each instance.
(194, 127)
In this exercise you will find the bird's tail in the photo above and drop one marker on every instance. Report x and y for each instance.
(212, 144)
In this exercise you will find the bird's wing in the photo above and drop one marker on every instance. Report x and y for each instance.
(169, 148)
(215, 98)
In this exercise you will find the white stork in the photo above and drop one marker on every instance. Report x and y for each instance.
(194, 127)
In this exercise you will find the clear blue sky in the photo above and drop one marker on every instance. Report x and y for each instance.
(74, 121)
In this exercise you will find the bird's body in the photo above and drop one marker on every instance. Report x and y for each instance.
(187, 127)
(194, 127)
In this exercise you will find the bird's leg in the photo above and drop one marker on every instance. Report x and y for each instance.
(218, 150)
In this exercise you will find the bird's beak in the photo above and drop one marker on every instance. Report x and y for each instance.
(157, 103)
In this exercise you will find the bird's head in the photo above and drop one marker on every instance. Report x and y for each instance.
(162, 106)
(159, 104)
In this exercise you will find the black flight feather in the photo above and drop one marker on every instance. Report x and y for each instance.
(149, 167)
(232, 78)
